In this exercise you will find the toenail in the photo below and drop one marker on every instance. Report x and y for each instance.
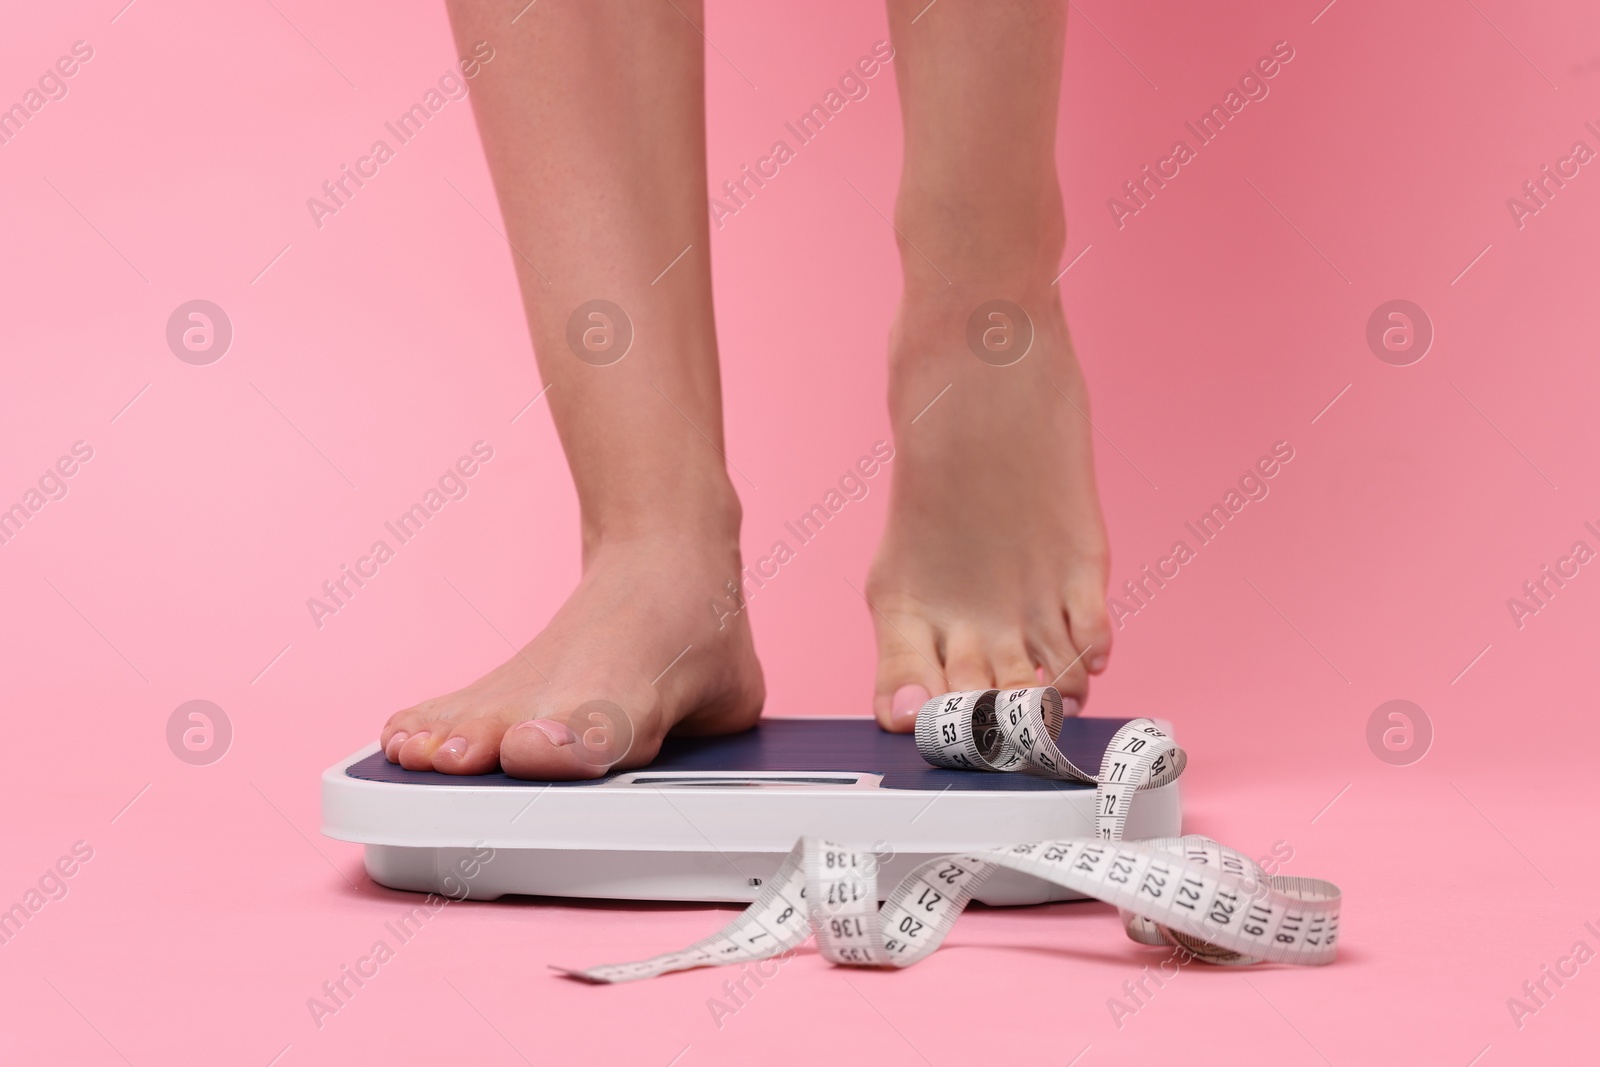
(1097, 664)
(423, 736)
(456, 746)
(559, 733)
(908, 700)
(1070, 706)
(395, 741)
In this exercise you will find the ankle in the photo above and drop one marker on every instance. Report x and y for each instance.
(703, 510)
(931, 344)
(1007, 242)
(933, 322)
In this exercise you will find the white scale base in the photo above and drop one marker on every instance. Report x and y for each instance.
(713, 818)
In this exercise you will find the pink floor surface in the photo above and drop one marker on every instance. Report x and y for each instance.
(1228, 313)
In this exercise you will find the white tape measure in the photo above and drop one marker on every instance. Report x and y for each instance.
(1189, 891)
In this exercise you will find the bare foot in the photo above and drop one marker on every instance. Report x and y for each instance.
(638, 634)
(593, 125)
(992, 569)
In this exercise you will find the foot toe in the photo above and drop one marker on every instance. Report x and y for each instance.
(401, 725)
(471, 747)
(966, 659)
(391, 746)
(908, 675)
(416, 752)
(1088, 620)
(1064, 665)
(550, 750)
(1013, 667)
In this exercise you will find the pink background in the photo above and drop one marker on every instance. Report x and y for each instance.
(1210, 326)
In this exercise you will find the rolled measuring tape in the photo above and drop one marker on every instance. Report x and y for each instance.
(1192, 892)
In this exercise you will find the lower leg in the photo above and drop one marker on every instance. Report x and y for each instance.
(993, 565)
(592, 118)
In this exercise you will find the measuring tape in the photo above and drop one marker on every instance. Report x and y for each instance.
(1215, 903)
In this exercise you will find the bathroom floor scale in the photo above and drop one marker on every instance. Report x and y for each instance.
(712, 818)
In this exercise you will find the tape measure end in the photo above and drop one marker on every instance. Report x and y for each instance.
(576, 975)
